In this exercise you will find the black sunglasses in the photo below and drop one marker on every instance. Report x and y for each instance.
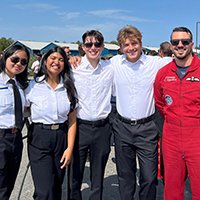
(90, 44)
(175, 42)
(15, 60)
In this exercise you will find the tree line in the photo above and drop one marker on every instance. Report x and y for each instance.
(4, 43)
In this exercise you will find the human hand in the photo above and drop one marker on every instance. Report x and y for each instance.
(66, 158)
(74, 61)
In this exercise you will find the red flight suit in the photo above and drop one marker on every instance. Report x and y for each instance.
(178, 102)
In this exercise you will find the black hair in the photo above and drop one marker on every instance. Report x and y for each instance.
(182, 29)
(22, 78)
(67, 80)
(93, 33)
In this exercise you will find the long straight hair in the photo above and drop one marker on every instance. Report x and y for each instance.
(22, 78)
(65, 74)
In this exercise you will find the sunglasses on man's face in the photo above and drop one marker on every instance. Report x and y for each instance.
(175, 42)
(90, 44)
(15, 60)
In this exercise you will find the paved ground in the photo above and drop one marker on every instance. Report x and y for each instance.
(110, 182)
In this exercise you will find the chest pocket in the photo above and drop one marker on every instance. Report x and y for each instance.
(63, 103)
(41, 102)
(81, 87)
(6, 98)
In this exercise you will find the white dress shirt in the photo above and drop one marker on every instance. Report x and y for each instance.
(133, 85)
(94, 88)
(7, 116)
(36, 64)
(48, 105)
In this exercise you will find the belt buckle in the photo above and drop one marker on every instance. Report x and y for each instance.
(133, 122)
(55, 127)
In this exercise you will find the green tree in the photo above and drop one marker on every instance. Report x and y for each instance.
(4, 43)
(114, 42)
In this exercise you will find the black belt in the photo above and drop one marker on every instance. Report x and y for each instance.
(94, 123)
(10, 130)
(137, 121)
(50, 126)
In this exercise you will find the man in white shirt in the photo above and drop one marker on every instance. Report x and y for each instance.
(36, 65)
(93, 80)
(134, 129)
(135, 132)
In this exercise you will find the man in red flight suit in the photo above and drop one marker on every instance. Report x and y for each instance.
(177, 97)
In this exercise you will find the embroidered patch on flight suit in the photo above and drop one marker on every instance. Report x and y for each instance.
(170, 78)
(192, 79)
(168, 99)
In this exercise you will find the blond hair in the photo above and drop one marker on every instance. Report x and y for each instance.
(129, 32)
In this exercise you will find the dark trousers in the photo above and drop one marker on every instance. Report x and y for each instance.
(97, 141)
(46, 148)
(10, 157)
(140, 140)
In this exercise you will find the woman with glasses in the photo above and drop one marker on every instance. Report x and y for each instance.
(51, 97)
(13, 79)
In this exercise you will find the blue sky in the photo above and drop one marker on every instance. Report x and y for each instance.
(67, 20)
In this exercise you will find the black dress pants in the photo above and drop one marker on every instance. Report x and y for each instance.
(46, 148)
(10, 157)
(140, 140)
(97, 140)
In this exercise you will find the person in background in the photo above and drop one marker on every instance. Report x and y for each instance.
(165, 51)
(36, 65)
(152, 53)
(177, 97)
(93, 80)
(52, 100)
(67, 51)
(80, 50)
(1, 55)
(13, 72)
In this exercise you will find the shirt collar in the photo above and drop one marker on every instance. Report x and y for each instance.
(193, 65)
(86, 64)
(142, 59)
(6, 78)
(61, 84)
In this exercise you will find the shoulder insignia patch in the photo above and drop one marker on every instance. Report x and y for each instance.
(168, 99)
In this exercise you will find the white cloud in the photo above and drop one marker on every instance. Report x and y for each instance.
(72, 33)
(38, 7)
(119, 15)
(70, 15)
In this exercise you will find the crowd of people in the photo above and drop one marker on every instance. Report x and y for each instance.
(70, 104)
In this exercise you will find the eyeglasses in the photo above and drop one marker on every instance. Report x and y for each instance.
(90, 44)
(175, 42)
(15, 60)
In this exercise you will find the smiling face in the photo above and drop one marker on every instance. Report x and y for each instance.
(55, 64)
(132, 49)
(92, 53)
(16, 63)
(181, 51)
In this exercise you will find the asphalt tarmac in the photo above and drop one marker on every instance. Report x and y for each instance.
(24, 188)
